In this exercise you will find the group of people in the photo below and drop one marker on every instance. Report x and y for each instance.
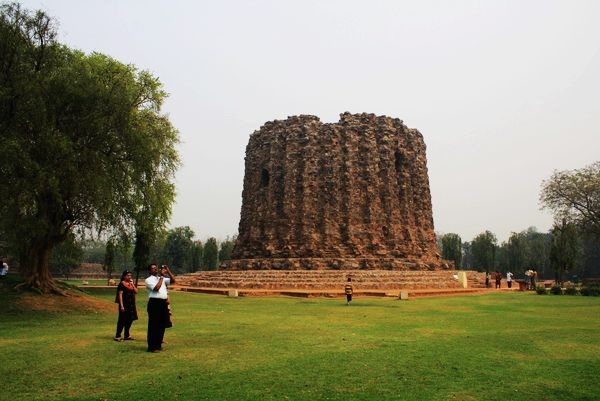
(498, 279)
(509, 279)
(531, 274)
(159, 311)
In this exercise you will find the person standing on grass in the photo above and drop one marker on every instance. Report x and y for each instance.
(126, 291)
(158, 311)
(528, 279)
(348, 291)
(532, 278)
(509, 277)
(498, 278)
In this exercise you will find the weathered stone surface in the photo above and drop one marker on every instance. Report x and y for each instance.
(330, 279)
(349, 195)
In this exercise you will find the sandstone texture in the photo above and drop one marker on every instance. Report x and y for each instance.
(362, 280)
(348, 195)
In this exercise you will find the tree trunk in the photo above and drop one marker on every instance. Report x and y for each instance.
(35, 271)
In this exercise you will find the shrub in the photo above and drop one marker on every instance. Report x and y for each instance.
(541, 290)
(571, 290)
(592, 290)
(556, 290)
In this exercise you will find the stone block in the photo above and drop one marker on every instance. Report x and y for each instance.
(462, 278)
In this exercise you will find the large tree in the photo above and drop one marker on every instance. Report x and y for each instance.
(526, 249)
(178, 248)
(538, 251)
(575, 197)
(197, 252)
(484, 247)
(467, 256)
(210, 254)
(83, 141)
(565, 249)
(452, 248)
(226, 248)
(516, 251)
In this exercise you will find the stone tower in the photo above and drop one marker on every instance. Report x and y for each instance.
(348, 195)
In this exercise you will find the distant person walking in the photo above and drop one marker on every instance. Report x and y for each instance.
(509, 278)
(348, 291)
(125, 298)
(487, 279)
(533, 278)
(158, 310)
(528, 274)
(498, 278)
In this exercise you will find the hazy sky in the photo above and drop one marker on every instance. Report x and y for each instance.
(504, 92)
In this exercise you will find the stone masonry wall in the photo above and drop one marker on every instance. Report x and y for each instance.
(352, 194)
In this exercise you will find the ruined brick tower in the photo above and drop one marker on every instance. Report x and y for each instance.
(348, 195)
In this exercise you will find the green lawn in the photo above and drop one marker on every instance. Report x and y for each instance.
(503, 346)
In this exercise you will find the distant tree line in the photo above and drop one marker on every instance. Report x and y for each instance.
(570, 250)
(176, 248)
(559, 254)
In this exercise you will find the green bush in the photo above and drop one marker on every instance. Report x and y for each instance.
(556, 290)
(592, 291)
(571, 290)
(541, 290)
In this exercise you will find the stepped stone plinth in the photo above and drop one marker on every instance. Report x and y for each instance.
(349, 195)
(330, 279)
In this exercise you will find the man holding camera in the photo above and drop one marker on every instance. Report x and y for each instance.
(158, 310)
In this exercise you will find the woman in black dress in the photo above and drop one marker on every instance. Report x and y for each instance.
(126, 300)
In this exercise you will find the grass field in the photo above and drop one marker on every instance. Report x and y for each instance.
(503, 346)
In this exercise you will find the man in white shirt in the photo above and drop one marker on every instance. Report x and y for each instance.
(509, 277)
(158, 311)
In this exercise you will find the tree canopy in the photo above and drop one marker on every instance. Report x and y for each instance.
(452, 248)
(484, 248)
(575, 196)
(525, 250)
(210, 254)
(226, 248)
(564, 250)
(85, 145)
(177, 251)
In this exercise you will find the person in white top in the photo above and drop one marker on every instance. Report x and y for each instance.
(158, 312)
(509, 277)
